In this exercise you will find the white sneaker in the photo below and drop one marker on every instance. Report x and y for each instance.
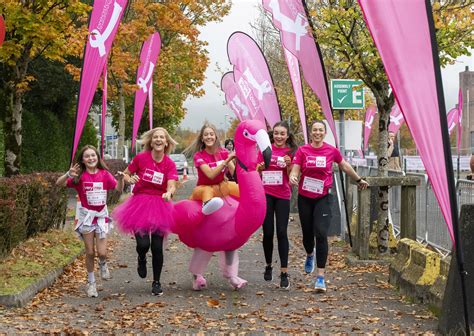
(104, 271)
(212, 205)
(92, 289)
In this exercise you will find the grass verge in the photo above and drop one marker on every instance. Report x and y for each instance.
(36, 257)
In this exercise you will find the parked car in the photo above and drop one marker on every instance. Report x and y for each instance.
(181, 162)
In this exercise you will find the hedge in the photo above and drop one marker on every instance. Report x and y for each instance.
(29, 204)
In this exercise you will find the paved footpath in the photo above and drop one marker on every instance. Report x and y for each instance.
(359, 299)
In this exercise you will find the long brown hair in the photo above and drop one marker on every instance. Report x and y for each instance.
(79, 160)
(198, 144)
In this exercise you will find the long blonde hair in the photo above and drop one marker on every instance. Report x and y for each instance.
(198, 145)
(148, 136)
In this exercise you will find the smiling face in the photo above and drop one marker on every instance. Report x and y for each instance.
(318, 133)
(280, 135)
(90, 159)
(209, 137)
(158, 141)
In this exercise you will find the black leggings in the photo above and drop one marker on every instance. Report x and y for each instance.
(280, 208)
(315, 218)
(143, 245)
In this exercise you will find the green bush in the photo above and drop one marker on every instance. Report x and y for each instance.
(29, 204)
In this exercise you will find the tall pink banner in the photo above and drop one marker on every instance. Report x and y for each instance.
(148, 57)
(233, 96)
(401, 32)
(452, 119)
(295, 76)
(103, 25)
(460, 102)
(290, 18)
(253, 77)
(369, 121)
(396, 119)
(2, 30)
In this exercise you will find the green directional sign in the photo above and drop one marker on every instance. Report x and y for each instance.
(344, 96)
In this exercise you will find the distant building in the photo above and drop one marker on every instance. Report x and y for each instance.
(466, 83)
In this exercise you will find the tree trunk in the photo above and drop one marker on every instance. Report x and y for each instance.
(12, 129)
(121, 135)
(382, 199)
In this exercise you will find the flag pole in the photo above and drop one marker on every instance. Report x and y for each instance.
(449, 165)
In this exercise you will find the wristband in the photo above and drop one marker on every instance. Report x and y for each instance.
(359, 180)
(68, 175)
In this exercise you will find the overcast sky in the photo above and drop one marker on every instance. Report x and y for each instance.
(211, 105)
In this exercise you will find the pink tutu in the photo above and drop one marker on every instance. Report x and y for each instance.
(144, 213)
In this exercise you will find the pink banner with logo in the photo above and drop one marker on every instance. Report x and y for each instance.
(396, 119)
(148, 57)
(295, 76)
(452, 119)
(369, 121)
(104, 109)
(290, 18)
(2, 30)
(401, 32)
(253, 77)
(233, 96)
(459, 119)
(103, 25)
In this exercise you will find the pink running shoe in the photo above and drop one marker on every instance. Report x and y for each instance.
(237, 282)
(199, 282)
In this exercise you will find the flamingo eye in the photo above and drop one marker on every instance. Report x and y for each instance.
(246, 134)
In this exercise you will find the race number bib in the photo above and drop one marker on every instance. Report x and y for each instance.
(95, 193)
(153, 176)
(272, 177)
(313, 185)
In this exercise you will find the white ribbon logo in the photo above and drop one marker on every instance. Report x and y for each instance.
(96, 39)
(263, 88)
(397, 120)
(297, 27)
(143, 83)
(238, 106)
(368, 124)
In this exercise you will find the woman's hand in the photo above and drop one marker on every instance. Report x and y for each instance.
(120, 176)
(167, 196)
(74, 171)
(260, 166)
(132, 179)
(293, 179)
(230, 157)
(362, 184)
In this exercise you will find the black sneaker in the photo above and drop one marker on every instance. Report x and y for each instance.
(268, 273)
(141, 268)
(156, 289)
(284, 281)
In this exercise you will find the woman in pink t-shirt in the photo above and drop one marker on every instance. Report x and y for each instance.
(278, 194)
(314, 161)
(147, 214)
(212, 161)
(91, 179)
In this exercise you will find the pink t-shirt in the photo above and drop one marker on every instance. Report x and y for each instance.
(92, 189)
(212, 161)
(275, 177)
(316, 169)
(153, 175)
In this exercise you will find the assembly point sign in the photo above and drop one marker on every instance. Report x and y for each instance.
(347, 94)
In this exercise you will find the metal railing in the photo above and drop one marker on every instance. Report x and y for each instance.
(431, 227)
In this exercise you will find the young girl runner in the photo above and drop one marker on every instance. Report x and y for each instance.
(278, 194)
(314, 161)
(212, 161)
(91, 179)
(147, 214)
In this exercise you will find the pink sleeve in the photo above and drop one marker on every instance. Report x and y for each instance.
(198, 160)
(110, 181)
(133, 166)
(298, 158)
(172, 173)
(337, 156)
(70, 184)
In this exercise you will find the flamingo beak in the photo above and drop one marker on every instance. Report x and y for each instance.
(265, 146)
